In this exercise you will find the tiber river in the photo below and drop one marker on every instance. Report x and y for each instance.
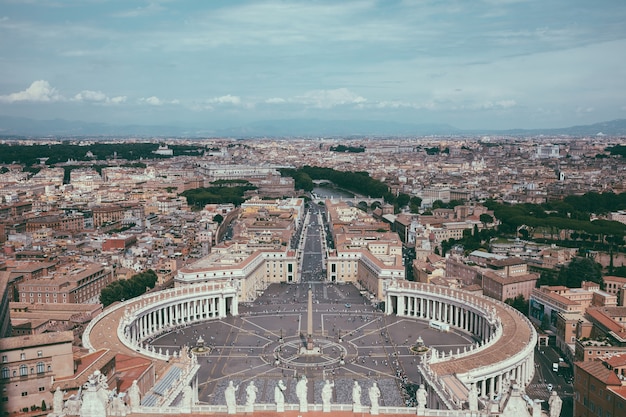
(329, 191)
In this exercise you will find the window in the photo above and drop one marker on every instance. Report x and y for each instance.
(5, 359)
(42, 389)
(39, 354)
(22, 356)
(5, 373)
(40, 367)
(24, 393)
(23, 370)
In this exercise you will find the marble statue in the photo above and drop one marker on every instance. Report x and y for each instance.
(327, 395)
(134, 395)
(251, 392)
(421, 397)
(374, 394)
(93, 401)
(555, 404)
(301, 393)
(73, 404)
(279, 396)
(472, 398)
(102, 388)
(118, 408)
(57, 401)
(356, 397)
(231, 400)
(187, 400)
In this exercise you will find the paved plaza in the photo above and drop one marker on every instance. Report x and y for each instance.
(266, 343)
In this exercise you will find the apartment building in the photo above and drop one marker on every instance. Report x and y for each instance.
(616, 286)
(68, 284)
(547, 302)
(60, 222)
(29, 365)
(5, 318)
(250, 268)
(111, 213)
(600, 388)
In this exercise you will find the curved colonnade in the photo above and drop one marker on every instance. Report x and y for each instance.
(504, 353)
(151, 315)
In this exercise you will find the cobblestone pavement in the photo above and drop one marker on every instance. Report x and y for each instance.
(358, 343)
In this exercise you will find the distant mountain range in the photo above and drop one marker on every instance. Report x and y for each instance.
(17, 126)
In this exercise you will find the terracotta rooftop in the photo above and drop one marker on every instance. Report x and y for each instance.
(600, 316)
(620, 391)
(599, 371)
(515, 332)
(616, 361)
(18, 342)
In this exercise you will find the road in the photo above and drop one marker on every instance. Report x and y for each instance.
(313, 267)
(544, 375)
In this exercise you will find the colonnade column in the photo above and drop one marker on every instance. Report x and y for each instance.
(234, 306)
(401, 311)
(221, 306)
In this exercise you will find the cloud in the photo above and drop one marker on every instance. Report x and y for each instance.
(151, 8)
(217, 102)
(155, 101)
(39, 91)
(275, 100)
(227, 99)
(42, 92)
(325, 99)
(489, 105)
(89, 96)
(396, 104)
(582, 110)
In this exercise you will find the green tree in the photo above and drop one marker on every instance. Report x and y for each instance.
(439, 204)
(402, 200)
(126, 289)
(414, 204)
(218, 218)
(519, 303)
(485, 219)
(578, 270)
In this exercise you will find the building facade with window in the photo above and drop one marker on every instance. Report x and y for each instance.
(600, 388)
(29, 364)
(69, 284)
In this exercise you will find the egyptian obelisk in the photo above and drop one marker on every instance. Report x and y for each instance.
(309, 324)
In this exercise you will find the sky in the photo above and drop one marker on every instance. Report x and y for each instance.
(490, 64)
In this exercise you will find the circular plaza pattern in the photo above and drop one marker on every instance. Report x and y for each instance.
(262, 342)
(357, 343)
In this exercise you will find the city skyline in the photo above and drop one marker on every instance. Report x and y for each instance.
(493, 64)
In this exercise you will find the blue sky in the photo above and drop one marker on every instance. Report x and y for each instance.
(470, 63)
